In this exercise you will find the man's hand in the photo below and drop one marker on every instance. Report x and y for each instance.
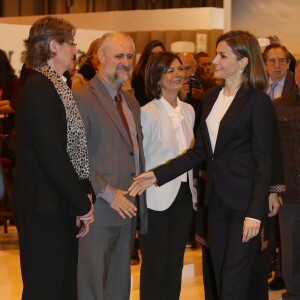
(184, 91)
(123, 206)
(275, 202)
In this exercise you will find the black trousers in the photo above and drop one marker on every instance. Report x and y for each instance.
(163, 248)
(48, 254)
(232, 260)
(289, 218)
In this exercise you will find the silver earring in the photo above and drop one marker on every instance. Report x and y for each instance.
(241, 71)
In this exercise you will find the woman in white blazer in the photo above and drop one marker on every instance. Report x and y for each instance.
(167, 125)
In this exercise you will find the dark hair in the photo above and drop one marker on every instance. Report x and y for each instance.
(146, 54)
(9, 82)
(245, 44)
(201, 54)
(41, 33)
(276, 46)
(6, 70)
(157, 66)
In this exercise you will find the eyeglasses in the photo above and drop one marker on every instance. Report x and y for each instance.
(72, 44)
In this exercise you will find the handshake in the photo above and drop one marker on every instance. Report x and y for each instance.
(123, 206)
(141, 183)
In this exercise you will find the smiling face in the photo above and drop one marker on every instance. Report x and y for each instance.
(226, 64)
(116, 59)
(172, 79)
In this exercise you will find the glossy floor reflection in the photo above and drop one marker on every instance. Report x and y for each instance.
(11, 284)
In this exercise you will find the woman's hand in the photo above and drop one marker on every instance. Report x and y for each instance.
(84, 221)
(250, 230)
(275, 202)
(141, 183)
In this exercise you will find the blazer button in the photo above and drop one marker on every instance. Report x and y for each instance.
(131, 153)
(133, 174)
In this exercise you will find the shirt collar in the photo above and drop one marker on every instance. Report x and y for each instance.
(63, 78)
(170, 109)
(110, 90)
(280, 82)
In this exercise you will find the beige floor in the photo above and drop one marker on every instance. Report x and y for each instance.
(11, 285)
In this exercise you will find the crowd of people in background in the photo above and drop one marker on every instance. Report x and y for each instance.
(218, 136)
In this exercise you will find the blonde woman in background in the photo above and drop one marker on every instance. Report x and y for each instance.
(87, 67)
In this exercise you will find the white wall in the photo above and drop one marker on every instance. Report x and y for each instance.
(269, 17)
(93, 25)
(13, 36)
(141, 20)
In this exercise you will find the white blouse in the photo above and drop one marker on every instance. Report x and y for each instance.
(216, 115)
(177, 118)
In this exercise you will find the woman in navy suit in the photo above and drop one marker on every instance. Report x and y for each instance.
(235, 138)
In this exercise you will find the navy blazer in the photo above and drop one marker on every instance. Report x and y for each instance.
(240, 167)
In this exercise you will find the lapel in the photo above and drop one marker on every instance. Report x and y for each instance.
(187, 127)
(230, 116)
(289, 83)
(104, 98)
(207, 107)
(135, 110)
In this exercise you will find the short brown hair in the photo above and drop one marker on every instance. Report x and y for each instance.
(276, 46)
(244, 44)
(146, 54)
(41, 33)
(157, 65)
(106, 38)
(201, 54)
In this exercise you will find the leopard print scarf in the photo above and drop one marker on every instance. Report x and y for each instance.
(76, 138)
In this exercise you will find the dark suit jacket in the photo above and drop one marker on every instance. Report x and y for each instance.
(289, 85)
(288, 114)
(110, 150)
(45, 179)
(240, 167)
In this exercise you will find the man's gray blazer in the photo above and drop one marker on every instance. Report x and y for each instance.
(110, 150)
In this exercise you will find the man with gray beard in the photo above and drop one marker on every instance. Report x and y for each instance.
(112, 121)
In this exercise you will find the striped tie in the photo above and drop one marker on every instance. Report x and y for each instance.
(122, 115)
(272, 89)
